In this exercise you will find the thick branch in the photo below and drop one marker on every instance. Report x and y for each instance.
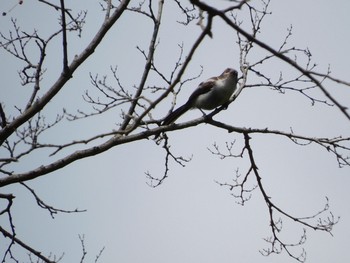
(64, 39)
(215, 12)
(62, 80)
(25, 246)
(148, 65)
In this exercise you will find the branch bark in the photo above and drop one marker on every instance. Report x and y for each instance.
(309, 74)
(10, 128)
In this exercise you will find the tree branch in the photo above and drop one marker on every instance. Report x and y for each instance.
(64, 39)
(25, 246)
(215, 12)
(63, 79)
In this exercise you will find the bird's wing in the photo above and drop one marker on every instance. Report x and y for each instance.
(203, 88)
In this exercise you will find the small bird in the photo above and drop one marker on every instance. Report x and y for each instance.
(209, 95)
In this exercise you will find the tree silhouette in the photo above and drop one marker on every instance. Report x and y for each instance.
(136, 110)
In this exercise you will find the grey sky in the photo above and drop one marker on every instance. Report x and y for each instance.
(189, 218)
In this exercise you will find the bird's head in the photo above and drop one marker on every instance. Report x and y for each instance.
(229, 73)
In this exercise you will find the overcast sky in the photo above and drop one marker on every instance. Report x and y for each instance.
(189, 218)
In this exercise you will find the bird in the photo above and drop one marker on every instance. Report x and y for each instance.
(210, 94)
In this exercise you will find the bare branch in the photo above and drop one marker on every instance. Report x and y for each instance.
(21, 135)
(3, 120)
(15, 240)
(169, 155)
(214, 12)
(151, 50)
(83, 248)
(52, 210)
(277, 244)
(64, 39)
(62, 80)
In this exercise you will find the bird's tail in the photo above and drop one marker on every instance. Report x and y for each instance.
(173, 116)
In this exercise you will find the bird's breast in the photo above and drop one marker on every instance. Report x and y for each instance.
(218, 95)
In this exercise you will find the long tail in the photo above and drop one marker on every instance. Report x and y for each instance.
(176, 114)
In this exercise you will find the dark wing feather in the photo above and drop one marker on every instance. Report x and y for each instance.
(203, 88)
